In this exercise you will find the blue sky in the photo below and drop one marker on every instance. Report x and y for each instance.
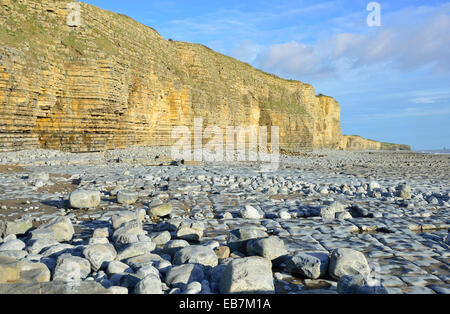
(392, 81)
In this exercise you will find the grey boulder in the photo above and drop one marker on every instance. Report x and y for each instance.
(127, 197)
(180, 276)
(83, 199)
(98, 254)
(344, 261)
(248, 275)
(358, 285)
(270, 248)
(149, 285)
(71, 268)
(59, 229)
(310, 265)
(196, 254)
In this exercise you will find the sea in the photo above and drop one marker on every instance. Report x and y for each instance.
(444, 151)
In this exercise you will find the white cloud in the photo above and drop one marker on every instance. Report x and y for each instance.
(412, 39)
(409, 112)
(431, 96)
(423, 100)
(246, 51)
(410, 45)
(295, 59)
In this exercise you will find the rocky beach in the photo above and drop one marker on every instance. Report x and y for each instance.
(94, 201)
(136, 221)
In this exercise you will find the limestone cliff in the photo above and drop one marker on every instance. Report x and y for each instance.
(112, 82)
(355, 142)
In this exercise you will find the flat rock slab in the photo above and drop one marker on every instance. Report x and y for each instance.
(358, 285)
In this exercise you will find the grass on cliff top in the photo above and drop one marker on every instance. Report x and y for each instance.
(15, 31)
(390, 146)
(232, 60)
(279, 98)
(385, 145)
(21, 28)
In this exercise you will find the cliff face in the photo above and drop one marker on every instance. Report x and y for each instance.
(112, 82)
(354, 142)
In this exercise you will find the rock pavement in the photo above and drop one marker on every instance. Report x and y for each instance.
(324, 222)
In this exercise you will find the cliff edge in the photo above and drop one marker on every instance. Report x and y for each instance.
(112, 82)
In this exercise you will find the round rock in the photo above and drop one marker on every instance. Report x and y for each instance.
(250, 212)
(310, 265)
(127, 197)
(160, 211)
(270, 248)
(179, 276)
(84, 199)
(344, 261)
(197, 254)
(97, 254)
(149, 285)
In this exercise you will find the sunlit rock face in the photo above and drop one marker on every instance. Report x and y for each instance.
(111, 82)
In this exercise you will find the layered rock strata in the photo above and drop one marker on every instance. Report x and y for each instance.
(111, 82)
